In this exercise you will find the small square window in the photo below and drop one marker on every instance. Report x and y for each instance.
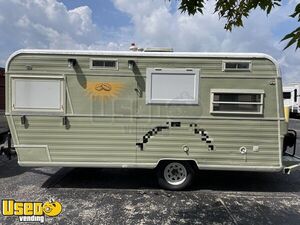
(237, 66)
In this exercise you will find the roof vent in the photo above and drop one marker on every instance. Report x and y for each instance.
(158, 49)
(133, 47)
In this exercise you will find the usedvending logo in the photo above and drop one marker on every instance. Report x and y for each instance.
(31, 211)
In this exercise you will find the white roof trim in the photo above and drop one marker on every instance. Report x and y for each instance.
(150, 54)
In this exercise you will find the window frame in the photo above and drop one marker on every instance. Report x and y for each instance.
(166, 71)
(26, 110)
(224, 69)
(104, 68)
(237, 91)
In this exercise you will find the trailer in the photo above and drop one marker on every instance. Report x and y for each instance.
(175, 112)
(291, 96)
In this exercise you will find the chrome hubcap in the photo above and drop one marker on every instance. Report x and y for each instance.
(175, 173)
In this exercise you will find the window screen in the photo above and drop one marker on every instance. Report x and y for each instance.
(226, 102)
(103, 63)
(37, 94)
(236, 97)
(172, 86)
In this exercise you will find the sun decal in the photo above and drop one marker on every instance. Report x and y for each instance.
(103, 89)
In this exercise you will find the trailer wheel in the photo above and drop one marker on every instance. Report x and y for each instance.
(175, 175)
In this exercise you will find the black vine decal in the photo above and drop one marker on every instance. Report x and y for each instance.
(202, 132)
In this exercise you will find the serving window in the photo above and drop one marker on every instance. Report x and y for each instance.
(172, 86)
(236, 101)
(37, 94)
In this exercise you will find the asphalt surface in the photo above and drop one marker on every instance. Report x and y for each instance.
(130, 196)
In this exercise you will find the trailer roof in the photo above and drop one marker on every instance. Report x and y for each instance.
(144, 54)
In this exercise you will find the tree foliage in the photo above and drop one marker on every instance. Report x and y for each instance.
(235, 11)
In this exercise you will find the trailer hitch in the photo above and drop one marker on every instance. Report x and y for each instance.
(6, 147)
(293, 167)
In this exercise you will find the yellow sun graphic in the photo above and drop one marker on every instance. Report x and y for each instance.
(103, 89)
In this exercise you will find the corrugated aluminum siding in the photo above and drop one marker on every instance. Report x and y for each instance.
(108, 130)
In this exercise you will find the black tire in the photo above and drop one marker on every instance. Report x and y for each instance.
(175, 175)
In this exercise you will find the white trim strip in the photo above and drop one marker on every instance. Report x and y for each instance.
(238, 91)
(38, 76)
(150, 166)
(237, 103)
(201, 76)
(157, 117)
(239, 77)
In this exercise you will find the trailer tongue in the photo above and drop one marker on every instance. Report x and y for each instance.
(6, 145)
(291, 163)
(5, 138)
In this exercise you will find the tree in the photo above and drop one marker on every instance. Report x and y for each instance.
(235, 11)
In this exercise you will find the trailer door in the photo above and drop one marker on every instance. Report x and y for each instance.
(170, 94)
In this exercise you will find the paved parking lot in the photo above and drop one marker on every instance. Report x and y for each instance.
(114, 196)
